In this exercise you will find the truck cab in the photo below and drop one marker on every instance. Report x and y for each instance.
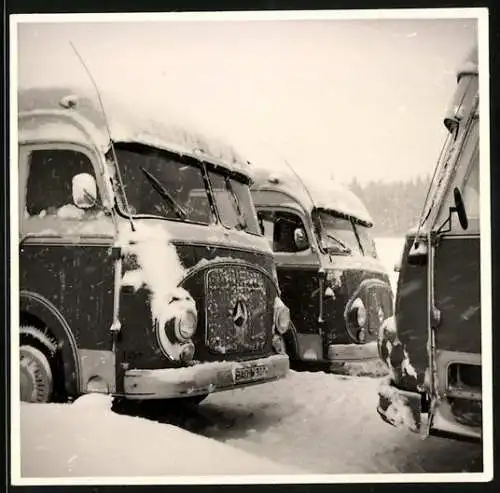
(432, 346)
(328, 269)
(143, 271)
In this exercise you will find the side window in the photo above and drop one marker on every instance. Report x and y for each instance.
(285, 231)
(470, 190)
(61, 183)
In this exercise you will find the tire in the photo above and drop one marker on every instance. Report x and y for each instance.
(36, 379)
(157, 409)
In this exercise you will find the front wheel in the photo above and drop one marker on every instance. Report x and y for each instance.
(158, 409)
(36, 380)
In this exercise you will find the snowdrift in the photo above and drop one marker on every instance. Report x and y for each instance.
(87, 439)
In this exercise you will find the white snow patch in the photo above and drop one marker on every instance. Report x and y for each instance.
(204, 262)
(134, 278)
(329, 292)
(160, 268)
(70, 211)
(86, 439)
(407, 367)
(398, 413)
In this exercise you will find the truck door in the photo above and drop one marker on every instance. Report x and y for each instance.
(297, 264)
(65, 253)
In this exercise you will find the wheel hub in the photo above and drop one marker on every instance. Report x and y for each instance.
(35, 375)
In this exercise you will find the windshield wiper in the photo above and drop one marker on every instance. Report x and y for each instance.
(158, 187)
(241, 218)
(344, 247)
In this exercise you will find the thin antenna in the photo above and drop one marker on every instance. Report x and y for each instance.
(301, 181)
(433, 177)
(115, 158)
(295, 173)
(305, 188)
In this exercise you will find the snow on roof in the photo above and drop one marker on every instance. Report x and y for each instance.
(128, 124)
(330, 195)
(470, 65)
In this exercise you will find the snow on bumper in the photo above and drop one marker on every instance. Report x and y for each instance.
(403, 409)
(203, 378)
(400, 408)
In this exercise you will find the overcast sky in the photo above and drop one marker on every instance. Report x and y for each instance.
(347, 98)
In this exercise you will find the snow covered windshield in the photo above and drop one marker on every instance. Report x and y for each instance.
(160, 184)
(339, 234)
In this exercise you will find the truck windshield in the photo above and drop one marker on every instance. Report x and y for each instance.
(159, 184)
(234, 203)
(366, 240)
(339, 234)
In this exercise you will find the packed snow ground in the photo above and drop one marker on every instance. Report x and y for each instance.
(324, 424)
(307, 423)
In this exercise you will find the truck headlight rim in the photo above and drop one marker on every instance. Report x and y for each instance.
(282, 318)
(185, 325)
(361, 315)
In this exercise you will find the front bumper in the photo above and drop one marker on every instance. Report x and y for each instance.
(203, 378)
(403, 409)
(352, 352)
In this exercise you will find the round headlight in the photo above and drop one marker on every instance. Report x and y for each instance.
(281, 316)
(361, 315)
(185, 325)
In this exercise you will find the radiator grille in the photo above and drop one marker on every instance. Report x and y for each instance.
(239, 309)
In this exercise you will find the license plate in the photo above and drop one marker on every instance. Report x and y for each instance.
(249, 373)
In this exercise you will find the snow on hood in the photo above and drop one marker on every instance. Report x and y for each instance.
(328, 194)
(130, 124)
(86, 439)
(159, 268)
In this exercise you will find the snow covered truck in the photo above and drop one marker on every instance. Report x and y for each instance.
(329, 273)
(432, 345)
(142, 269)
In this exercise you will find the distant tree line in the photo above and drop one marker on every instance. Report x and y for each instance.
(395, 206)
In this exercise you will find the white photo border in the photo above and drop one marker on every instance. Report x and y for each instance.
(479, 14)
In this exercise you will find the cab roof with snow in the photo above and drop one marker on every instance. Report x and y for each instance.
(470, 65)
(50, 114)
(331, 196)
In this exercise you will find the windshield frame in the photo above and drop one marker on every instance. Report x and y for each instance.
(205, 167)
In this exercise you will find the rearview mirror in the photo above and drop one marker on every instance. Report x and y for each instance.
(459, 208)
(84, 190)
(300, 239)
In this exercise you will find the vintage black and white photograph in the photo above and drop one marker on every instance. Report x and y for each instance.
(250, 247)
